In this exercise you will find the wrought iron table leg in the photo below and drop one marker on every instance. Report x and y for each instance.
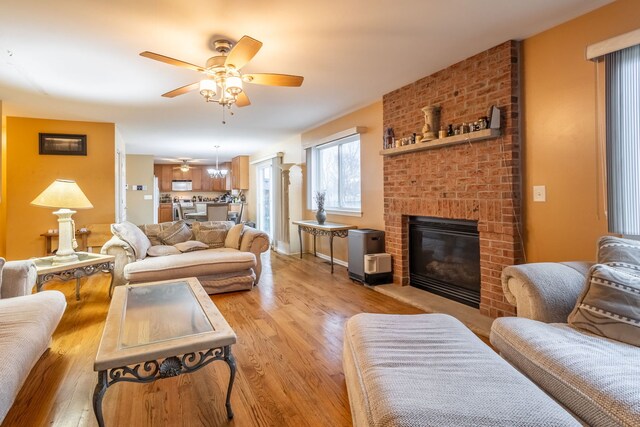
(98, 394)
(228, 357)
(314, 245)
(111, 283)
(331, 250)
(300, 240)
(77, 288)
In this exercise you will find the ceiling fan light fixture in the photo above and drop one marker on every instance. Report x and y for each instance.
(184, 167)
(208, 89)
(234, 85)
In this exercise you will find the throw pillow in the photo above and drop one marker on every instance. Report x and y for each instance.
(609, 306)
(133, 236)
(190, 246)
(619, 253)
(177, 233)
(152, 230)
(233, 237)
(162, 250)
(213, 233)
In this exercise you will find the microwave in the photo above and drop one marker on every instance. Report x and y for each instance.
(181, 185)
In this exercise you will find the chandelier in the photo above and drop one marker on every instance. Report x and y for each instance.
(217, 172)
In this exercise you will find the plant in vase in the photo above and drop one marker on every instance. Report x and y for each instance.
(321, 215)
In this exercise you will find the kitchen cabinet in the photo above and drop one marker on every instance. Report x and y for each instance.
(180, 175)
(196, 177)
(206, 180)
(164, 173)
(165, 212)
(222, 184)
(240, 173)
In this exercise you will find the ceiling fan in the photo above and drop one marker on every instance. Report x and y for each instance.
(223, 75)
(184, 165)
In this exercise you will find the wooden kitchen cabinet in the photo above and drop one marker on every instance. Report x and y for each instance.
(165, 212)
(196, 178)
(180, 175)
(206, 181)
(222, 184)
(164, 173)
(240, 173)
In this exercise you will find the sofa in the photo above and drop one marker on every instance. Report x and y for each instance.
(27, 323)
(229, 262)
(595, 377)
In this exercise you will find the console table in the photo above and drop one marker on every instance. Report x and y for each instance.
(330, 229)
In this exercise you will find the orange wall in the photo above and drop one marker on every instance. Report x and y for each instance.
(371, 172)
(559, 129)
(28, 174)
(3, 187)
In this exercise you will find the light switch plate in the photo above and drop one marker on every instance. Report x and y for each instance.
(148, 197)
(539, 193)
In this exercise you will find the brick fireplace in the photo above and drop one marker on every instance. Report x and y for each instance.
(478, 181)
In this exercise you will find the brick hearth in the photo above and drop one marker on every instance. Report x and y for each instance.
(478, 181)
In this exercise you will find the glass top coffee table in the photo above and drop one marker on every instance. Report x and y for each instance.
(160, 330)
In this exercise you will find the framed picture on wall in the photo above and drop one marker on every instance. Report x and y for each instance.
(63, 144)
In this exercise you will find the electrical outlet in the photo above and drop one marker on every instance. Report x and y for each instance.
(539, 193)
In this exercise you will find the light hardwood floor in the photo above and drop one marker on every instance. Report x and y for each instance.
(289, 357)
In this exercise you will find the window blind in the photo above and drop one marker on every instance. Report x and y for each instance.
(622, 70)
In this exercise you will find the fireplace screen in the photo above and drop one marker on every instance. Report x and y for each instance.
(444, 258)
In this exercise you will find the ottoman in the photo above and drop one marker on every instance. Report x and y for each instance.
(430, 370)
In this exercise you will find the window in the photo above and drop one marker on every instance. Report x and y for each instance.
(335, 168)
(622, 87)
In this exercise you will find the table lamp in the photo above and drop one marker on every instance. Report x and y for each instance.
(64, 195)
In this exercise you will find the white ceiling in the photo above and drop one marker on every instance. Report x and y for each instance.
(79, 60)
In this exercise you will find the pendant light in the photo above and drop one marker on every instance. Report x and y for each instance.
(217, 172)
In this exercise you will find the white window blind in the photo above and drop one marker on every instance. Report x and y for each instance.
(623, 140)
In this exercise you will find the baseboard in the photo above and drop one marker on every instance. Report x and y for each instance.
(335, 260)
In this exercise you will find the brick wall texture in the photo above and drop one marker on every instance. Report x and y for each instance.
(477, 181)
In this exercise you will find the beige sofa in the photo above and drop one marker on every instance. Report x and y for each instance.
(219, 270)
(596, 378)
(26, 325)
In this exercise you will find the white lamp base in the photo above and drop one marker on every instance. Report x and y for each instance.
(66, 233)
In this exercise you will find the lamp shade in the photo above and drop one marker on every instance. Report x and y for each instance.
(63, 193)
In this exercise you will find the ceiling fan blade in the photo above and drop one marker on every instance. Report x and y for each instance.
(242, 52)
(273, 79)
(182, 90)
(242, 100)
(171, 61)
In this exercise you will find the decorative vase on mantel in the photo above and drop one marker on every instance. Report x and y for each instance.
(321, 215)
(431, 122)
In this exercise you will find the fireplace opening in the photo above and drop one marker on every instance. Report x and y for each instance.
(444, 258)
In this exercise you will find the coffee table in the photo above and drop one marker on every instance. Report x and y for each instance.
(160, 330)
(86, 265)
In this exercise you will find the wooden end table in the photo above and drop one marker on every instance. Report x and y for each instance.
(330, 229)
(83, 234)
(88, 264)
(160, 330)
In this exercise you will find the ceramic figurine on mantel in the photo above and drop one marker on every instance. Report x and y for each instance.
(321, 215)
(431, 122)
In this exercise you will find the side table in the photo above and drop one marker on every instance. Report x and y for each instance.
(87, 265)
(49, 236)
(330, 229)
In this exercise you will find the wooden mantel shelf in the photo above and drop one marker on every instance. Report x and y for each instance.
(444, 142)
